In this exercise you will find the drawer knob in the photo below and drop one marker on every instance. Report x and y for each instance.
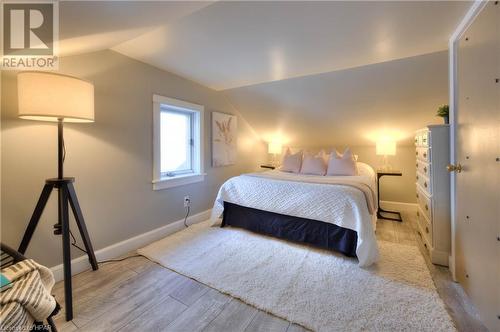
(425, 155)
(425, 169)
(416, 165)
(418, 214)
(425, 184)
(454, 168)
(426, 207)
(427, 229)
(417, 177)
(417, 195)
(416, 153)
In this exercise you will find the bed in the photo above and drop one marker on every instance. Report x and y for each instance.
(333, 212)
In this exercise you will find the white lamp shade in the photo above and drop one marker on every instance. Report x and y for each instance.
(274, 147)
(386, 148)
(49, 97)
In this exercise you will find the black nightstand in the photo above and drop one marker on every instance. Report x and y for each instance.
(267, 166)
(380, 211)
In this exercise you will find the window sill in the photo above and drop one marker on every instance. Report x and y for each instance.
(177, 181)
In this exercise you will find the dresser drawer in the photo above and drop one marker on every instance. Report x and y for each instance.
(424, 138)
(425, 203)
(423, 168)
(424, 182)
(425, 241)
(423, 154)
(424, 225)
(418, 139)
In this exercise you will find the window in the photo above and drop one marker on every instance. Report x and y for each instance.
(177, 143)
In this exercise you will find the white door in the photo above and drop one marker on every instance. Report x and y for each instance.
(477, 224)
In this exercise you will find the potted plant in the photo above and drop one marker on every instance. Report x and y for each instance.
(444, 112)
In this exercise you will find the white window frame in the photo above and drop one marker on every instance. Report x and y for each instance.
(198, 174)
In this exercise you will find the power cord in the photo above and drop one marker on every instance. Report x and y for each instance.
(118, 259)
(188, 209)
(187, 214)
(73, 239)
(74, 244)
(64, 150)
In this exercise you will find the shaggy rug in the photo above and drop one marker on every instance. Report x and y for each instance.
(318, 289)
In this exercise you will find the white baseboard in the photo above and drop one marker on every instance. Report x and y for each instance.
(440, 257)
(81, 263)
(399, 206)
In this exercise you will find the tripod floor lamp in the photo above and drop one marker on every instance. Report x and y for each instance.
(58, 98)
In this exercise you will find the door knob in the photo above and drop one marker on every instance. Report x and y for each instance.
(454, 168)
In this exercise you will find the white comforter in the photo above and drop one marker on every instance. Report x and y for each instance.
(300, 196)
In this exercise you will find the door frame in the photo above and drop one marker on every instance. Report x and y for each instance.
(462, 27)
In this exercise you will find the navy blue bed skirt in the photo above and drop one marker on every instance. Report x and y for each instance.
(317, 233)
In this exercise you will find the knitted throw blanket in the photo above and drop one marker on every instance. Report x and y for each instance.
(29, 298)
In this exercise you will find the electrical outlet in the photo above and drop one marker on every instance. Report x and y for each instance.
(187, 201)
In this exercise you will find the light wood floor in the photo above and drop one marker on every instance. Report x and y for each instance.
(139, 295)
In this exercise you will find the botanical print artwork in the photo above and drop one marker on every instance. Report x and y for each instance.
(224, 133)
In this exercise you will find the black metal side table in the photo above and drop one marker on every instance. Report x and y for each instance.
(380, 211)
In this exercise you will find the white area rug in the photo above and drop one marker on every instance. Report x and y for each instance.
(315, 288)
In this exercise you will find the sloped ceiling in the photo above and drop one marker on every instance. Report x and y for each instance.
(312, 73)
(88, 26)
(349, 107)
(239, 43)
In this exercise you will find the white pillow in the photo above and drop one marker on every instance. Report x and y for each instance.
(314, 165)
(324, 155)
(339, 155)
(291, 162)
(342, 164)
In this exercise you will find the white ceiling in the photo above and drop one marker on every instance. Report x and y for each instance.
(232, 44)
(349, 107)
(87, 26)
(319, 73)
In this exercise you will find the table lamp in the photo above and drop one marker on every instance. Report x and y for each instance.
(386, 148)
(274, 148)
(58, 98)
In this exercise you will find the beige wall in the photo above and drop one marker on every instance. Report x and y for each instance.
(393, 188)
(111, 158)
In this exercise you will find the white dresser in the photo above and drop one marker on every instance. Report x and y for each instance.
(433, 191)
